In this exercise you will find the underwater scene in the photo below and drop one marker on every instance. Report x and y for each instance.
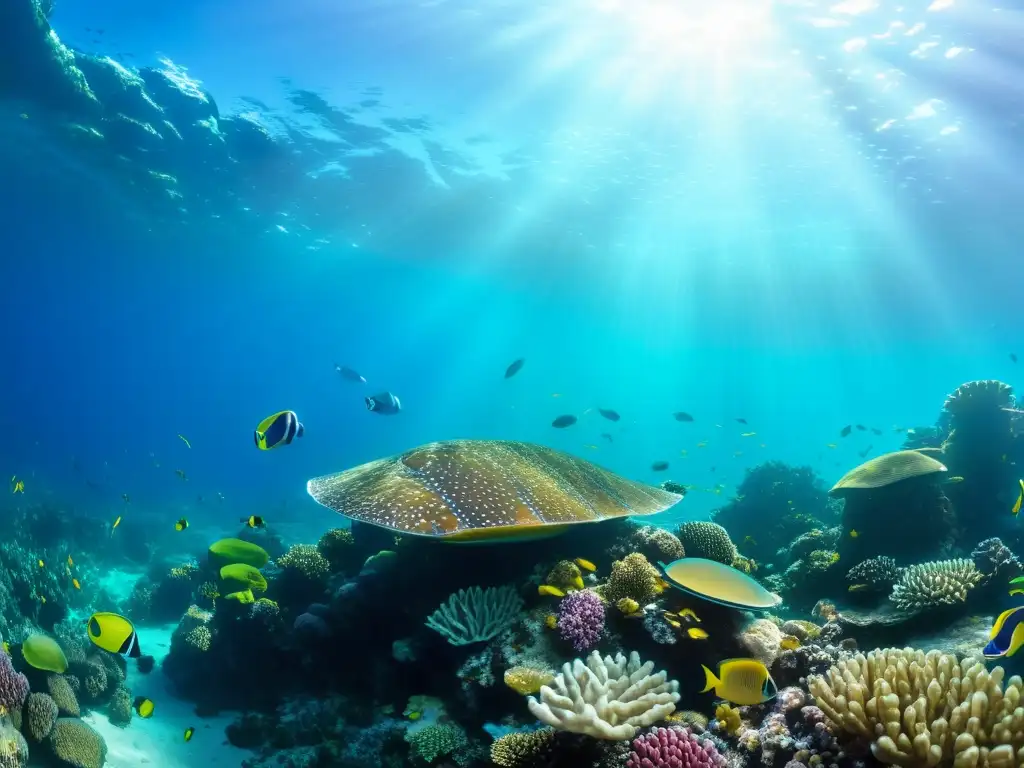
(470, 383)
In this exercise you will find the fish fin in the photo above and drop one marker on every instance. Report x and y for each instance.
(300, 431)
(710, 681)
(1016, 641)
(997, 625)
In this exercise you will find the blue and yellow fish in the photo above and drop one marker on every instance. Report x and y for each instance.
(276, 430)
(1020, 500)
(17, 486)
(1007, 634)
(743, 681)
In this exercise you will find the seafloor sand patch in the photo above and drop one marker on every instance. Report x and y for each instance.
(159, 741)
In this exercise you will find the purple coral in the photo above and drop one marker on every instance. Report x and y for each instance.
(13, 685)
(581, 619)
(673, 748)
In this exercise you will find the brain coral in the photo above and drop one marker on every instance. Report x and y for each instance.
(307, 560)
(656, 544)
(39, 716)
(522, 748)
(632, 577)
(13, 684)
(925, 710)
(929, 585)
(78, 745)
(63, 694)
(708, 540)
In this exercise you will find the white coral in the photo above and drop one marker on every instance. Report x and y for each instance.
(609, 698)
(929, 585)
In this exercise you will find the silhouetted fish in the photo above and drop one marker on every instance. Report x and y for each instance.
(861, 428)
(607, 437)
(659, 466)
(682, 416)
(514, 368)
(1013, 357)
(564, 421)
(472, 490)
(846, 431)
(876, 431)
(742, 421)
(348, 374)
(610, 415)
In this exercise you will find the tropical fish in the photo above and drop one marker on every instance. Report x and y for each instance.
(741, 421)
(1013, 357)
(682, 416)
(702, 444)
(831, 445)
(547, 589)
(254, 521)
(384, 403)
(861, 428)
(857, 587)
(687, 613)
(114, 633)
(514, 367)
(551, 621)
(789, 643)
(865, 452)
(185, 441)
(75, 584)
(563, 421)
(586, 565)
(748, 434)
(181, 525)
(853, 533)
(845, 431)
(696, 633)
(349, 374)
(876, 431)
(718, 583)
(181, 473)
(750, 540)
(117, 522)
(607, 437)
(7, 648)
(742, 681)
(143, 706)
(954, 479)
(70, 561)
(1007, 634)
(479, 490)
(659, 466)
(42, 564)
(188, 733)
(17, 486)
(1020, 499)
(42, 652)
(127, 499)
(279, 429)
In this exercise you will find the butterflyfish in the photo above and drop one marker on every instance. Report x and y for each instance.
(586, 565)
(718, 583)
(254, 521)
(143, 706)
(1007, 634)
(17, 486)
(854, 534)
(114, 633)
(188, 733)
(181, 525)
(384, 403)
(741, 681)
(41, 564)
(687, 613)
(277, 430)
(696, 633)
(480, 491)
(1020, 499)
(185, 441)
(349, 374)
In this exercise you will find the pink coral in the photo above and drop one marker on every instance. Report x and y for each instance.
(673, 748)
(13, 685)
(581, 619)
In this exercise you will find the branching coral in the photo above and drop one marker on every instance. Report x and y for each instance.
(521, 748)
(875, 572)
(607, 698)
(337, 546)
(993, 558)
(581, 619)
(475, 615)
(925, 710)
(436, 741)
(707, 540)
(933, 584)
(632, 577)
(307, 560)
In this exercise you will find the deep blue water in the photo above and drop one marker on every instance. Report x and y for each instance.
(728, 241)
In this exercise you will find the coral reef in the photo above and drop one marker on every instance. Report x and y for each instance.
(933, 584)
(77, 744)
(581, 619)
(632, 577)
(673, 748)
(707, 540)
(39, 716)
(475, 615)
(876, 573)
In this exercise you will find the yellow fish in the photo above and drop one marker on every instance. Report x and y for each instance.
(143, 706)
(185, 441)
(547, 589)
(696, 633)
(743, 681)
(415, 715)
(70, 561)
(190, 730)
(750, 540)
(684, 452)
(1007, 634)
(789, 643)
(748, 434)
(955, 479)
(591, 446)
(75, 584)
(702, 444)
(854, 534)
(586, 565)
(181, 525)
(17, 486)
(857, 587)
(42, 599)
(1020, 499)
(673, 623)
(687, 613)
(116, 523)
(551, 621)
(42, 564)
(7, 648)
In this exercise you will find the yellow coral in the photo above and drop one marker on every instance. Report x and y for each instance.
(551, 621)
(632, 577)
(184, 572)
(527, 680)
(728, 719)
(926, 710)
(628, 606)
(565, 576)
(195, 612)
(695, 720)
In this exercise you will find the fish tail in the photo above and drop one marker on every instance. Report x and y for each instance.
(710, 680)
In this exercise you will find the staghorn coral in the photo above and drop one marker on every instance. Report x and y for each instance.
(13, 685)
(436, 741)
(632, 577)
(925, 710)
(475, 615)
(607, 698)
(673, 748)
(565, 575)
(39, 716)
(63, 694)
(934, 584)
(875, 572)
(525, 679)
(708, 540)
(305, 559)
(337, 546)
(522, 748)
(78, 745)
(581, 619)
